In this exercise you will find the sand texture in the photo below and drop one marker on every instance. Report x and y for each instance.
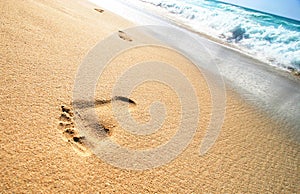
(42, 45)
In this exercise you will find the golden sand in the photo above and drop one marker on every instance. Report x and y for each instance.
(42, 46)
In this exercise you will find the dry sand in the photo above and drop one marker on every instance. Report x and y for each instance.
(42, 45)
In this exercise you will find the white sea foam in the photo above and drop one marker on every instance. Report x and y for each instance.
(269, 38)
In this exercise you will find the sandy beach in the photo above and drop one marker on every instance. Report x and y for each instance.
(43, 44)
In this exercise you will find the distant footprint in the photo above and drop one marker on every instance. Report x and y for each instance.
(70, 134)
(99, 10)
(124, 36)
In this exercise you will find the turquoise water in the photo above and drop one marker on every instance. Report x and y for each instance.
(272, 39)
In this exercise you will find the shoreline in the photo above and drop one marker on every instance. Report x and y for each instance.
(289, 72)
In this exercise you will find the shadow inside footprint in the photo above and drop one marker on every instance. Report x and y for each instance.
(124, 99)
(78, 139)
(82, 104)
(101, 102)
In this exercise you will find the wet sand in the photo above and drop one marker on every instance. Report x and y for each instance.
(43, 45)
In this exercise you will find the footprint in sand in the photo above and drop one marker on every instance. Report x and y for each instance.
(99, 10)
(71, 134)
(124, 36)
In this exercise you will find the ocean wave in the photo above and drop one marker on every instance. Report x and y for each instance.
(272, 39)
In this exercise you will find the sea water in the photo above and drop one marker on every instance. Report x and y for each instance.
(269, 38)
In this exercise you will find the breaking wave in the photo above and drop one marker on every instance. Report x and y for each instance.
(270, 38)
